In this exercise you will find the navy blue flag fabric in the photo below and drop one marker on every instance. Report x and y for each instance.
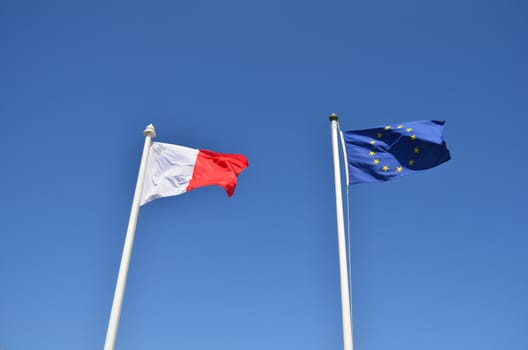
(385, 153)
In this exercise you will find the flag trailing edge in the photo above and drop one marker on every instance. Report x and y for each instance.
(173, 170)
(387, 152)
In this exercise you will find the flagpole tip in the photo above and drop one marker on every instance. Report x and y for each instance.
(150, 131)
(333, 117)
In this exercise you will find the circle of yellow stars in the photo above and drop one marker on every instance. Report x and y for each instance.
(399, 168)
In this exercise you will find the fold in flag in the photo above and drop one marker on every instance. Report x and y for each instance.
(384, 153)
(173, 170)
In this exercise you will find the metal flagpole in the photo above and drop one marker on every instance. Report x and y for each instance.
(343, 269)
(113, 323)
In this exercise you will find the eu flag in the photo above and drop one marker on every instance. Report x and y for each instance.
(384, 153)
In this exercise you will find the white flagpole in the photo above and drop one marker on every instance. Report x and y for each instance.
(343, 269)
(113, 323)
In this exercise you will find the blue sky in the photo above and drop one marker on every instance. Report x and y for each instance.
(438, 258)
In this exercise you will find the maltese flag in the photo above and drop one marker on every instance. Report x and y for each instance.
(173, 170)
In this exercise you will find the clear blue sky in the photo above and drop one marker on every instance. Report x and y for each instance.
(439, 258)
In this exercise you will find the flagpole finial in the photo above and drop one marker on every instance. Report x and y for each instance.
(150, 131)
(333, 117)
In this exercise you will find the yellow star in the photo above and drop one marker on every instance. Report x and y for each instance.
(411, 162)
(385, 168)
(371, 153)
(372, 142)
(413, 137)
(399, 169)
(408, 129)
(379, 135)
(416, 150)
(387, 127)
(376, 161)
(400, 126)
